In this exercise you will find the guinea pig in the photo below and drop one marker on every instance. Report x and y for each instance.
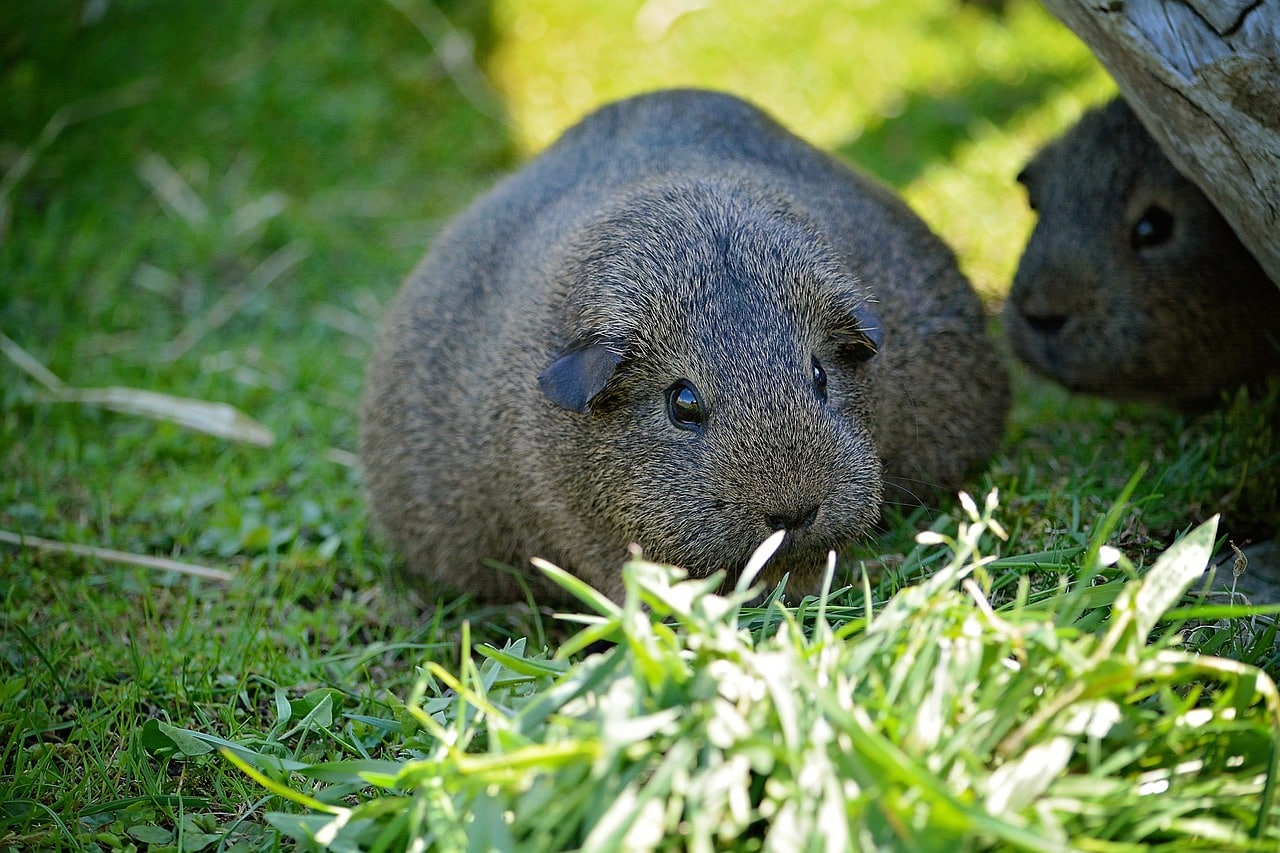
(1132, 285)
(680, 326)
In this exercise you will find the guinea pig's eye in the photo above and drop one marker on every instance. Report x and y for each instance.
(684, 406)
(819, 380)
(1154, 228)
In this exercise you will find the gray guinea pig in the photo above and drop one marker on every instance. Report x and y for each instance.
(680, 326)
(1132, 285)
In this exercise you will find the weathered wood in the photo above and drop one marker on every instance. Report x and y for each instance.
(1204, 78)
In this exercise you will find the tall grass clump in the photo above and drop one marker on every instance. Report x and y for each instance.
(935, 722)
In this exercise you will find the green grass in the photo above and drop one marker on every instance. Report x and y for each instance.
(931, 722)
(155, 160)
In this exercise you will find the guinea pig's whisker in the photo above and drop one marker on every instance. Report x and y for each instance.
(903, 484)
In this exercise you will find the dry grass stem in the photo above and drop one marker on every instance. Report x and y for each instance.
(216, 419)
(114, 556)
(30, 365)
(456, 53)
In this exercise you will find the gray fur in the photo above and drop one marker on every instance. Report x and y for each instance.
(1174, 321)
(515, 403)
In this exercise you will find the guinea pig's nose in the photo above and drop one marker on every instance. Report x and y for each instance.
(792, 520)
(1046, 324)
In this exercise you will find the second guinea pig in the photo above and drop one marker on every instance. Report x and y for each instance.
(1132, 285)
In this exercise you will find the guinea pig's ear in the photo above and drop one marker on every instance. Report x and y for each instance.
(579, 373)
(1028, 179)
(861, 335)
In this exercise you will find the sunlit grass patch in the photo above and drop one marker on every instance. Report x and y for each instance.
(939, 98)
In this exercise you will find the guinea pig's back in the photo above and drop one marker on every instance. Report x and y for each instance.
(702, 132)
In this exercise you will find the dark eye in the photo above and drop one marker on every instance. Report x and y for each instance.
(1154, 228)
(819, 380)
(684, 406)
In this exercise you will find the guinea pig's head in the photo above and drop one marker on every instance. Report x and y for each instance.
(1131, 280)
(708, 388)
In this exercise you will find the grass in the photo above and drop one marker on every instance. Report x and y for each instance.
(213, 202)
(933, 722)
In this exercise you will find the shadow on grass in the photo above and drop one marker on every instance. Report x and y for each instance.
(930, 128)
